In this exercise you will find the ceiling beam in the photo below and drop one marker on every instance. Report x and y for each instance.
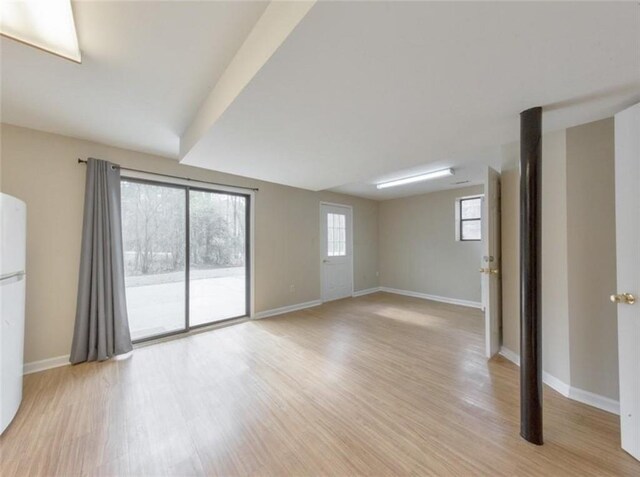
(272, 29)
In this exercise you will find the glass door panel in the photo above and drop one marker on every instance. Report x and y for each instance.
(154, 239)
(217, 256)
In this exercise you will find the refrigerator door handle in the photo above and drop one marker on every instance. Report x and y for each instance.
(8, 276)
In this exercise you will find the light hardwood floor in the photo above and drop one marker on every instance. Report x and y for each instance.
(377, 385)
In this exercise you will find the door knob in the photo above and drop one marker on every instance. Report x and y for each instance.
(490, 271)
(626, 298)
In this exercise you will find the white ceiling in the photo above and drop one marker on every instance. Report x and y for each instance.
(361, 90)
(146, 67)
(358, 93)
(468, 170)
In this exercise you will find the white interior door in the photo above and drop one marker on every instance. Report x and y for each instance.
(490, 262)
(627, 140)
(336, 251)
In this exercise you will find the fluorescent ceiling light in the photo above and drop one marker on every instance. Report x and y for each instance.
(418, 178)
(44, 24)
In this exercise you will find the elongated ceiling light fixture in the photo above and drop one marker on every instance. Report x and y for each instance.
(44, 24)
(419, 178)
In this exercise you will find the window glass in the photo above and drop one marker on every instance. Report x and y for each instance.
(471, 230)
(154, 242)
(160, 245)
(470, 208)
(336, 235)
(217, 251)
(470, 214)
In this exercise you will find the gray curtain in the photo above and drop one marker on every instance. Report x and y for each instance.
(102, 327)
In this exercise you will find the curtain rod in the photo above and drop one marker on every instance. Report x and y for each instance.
(82, 161)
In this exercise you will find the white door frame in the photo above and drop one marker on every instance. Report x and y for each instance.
(321, 245)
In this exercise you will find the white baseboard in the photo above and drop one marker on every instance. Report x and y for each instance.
(42, 365)
(425, 296)
(286, 309)
(367, 291)
(577, 394)
(550, 380)
(557, 384)
(595, 400)
(510, 355)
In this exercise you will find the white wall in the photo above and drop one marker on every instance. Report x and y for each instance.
(42, 170)
(418, 249)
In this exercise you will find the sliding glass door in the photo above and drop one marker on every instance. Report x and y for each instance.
(217, 251)
(153, 236)
(186, 257)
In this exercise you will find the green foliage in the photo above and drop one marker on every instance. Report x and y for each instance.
(153, 229)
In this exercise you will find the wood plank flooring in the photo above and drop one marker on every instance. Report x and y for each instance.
(377, 385)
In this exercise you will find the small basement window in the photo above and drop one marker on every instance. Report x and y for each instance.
(469, 219)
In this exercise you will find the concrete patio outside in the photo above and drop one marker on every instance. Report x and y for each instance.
(156, 303)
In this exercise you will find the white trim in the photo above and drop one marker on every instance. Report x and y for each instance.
(44, 364)
(595, 400)
(556, 384)
(509, 355)
(576, 394)
(425, 296)
(335, 204)
(366, 291)
(286, 309)
(550, 380)
(322, 245)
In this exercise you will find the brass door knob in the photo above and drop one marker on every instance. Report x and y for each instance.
(490, 271)
(626, 298)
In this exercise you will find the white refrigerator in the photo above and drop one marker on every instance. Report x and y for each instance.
(13, 234)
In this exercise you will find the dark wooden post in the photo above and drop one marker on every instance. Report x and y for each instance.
(530, 275)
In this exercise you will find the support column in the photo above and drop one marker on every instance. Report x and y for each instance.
(530, 275)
